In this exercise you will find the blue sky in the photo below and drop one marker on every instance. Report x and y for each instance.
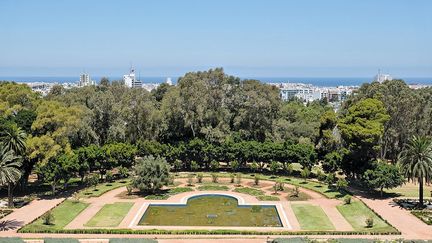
(273, 38)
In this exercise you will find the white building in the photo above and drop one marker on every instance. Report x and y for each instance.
(131, 81)
(381, 77)
(85, 80)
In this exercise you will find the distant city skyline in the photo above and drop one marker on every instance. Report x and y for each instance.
(252, 38)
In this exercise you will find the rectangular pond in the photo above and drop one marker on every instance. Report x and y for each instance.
(211, 210)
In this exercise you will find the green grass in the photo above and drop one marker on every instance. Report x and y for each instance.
(102, 188)
(268, 198)
(301, 197)
(63, 215)
(410, 190)
(308, 184)
(11, 240)
(249, 191)
(311, 217)
(356, 214)
(211, 211)
(212, 188)
(110, 215)
(167, 193)
(423, 215)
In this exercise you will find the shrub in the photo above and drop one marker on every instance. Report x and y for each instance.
(330, 179)
(200, 177)
(276, 187)
(109, 177)
(123, 172)
(151, 174)
(369, 222)
(232, 178)
(254, 166)
(341, 184)
(194, 165)
(177, 165)
(257, 179)
(295, 192)
(289, 169)
(305, 173)
(215, 177)
(48, 218)
(129, 189)
(235, 165)
(92, 180)
(321, 176)
(274, 167)
(76, 197)
(171, 179)
(281, 185)
(190, 180)
(238, 179)
(214, 165)
(347, 199)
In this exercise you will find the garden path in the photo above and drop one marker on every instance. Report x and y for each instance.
(22, 216)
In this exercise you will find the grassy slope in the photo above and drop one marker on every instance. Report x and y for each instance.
(356, 214)
(311, 217)
(63, 215)
(110, 215)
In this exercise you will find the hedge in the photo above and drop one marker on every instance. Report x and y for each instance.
(202, 232)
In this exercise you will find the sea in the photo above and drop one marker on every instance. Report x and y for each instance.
(316, 81)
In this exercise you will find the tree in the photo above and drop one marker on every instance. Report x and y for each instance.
(416, 162)
(13, 138)
(104, 81)
(362, 129)
(332, 161)
(150, 174)
(382, 176)
(9, 171)
(56, 169)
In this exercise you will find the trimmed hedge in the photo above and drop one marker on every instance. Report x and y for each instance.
(203, 232)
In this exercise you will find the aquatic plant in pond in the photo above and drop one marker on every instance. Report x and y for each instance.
(211, 210)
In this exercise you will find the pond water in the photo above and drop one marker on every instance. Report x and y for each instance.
(211, 210)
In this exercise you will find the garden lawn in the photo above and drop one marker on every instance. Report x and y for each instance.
(311, 217)
(212, 188)
(411, 190)
(110, 215)
(102, 188)
(63, 215)
(249, 191)
(167, 193)
(356, 214)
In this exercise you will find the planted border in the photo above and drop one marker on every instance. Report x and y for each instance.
(202, 232)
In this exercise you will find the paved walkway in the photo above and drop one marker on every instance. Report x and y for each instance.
(22, 216)
(410, 226)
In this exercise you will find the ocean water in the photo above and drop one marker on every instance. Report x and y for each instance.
(317, 81)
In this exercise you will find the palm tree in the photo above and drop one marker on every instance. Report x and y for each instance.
(416, 162)
(9, 170)
(13, 138)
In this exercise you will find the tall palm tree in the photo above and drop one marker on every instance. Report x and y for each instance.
(416, 162)
(9, 171)
(13, 138)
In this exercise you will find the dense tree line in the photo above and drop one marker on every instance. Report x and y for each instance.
(207, 118)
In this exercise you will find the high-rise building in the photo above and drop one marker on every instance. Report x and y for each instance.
(85, 80)
(131, 81)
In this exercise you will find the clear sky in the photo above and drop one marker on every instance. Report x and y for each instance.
(256, 38)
